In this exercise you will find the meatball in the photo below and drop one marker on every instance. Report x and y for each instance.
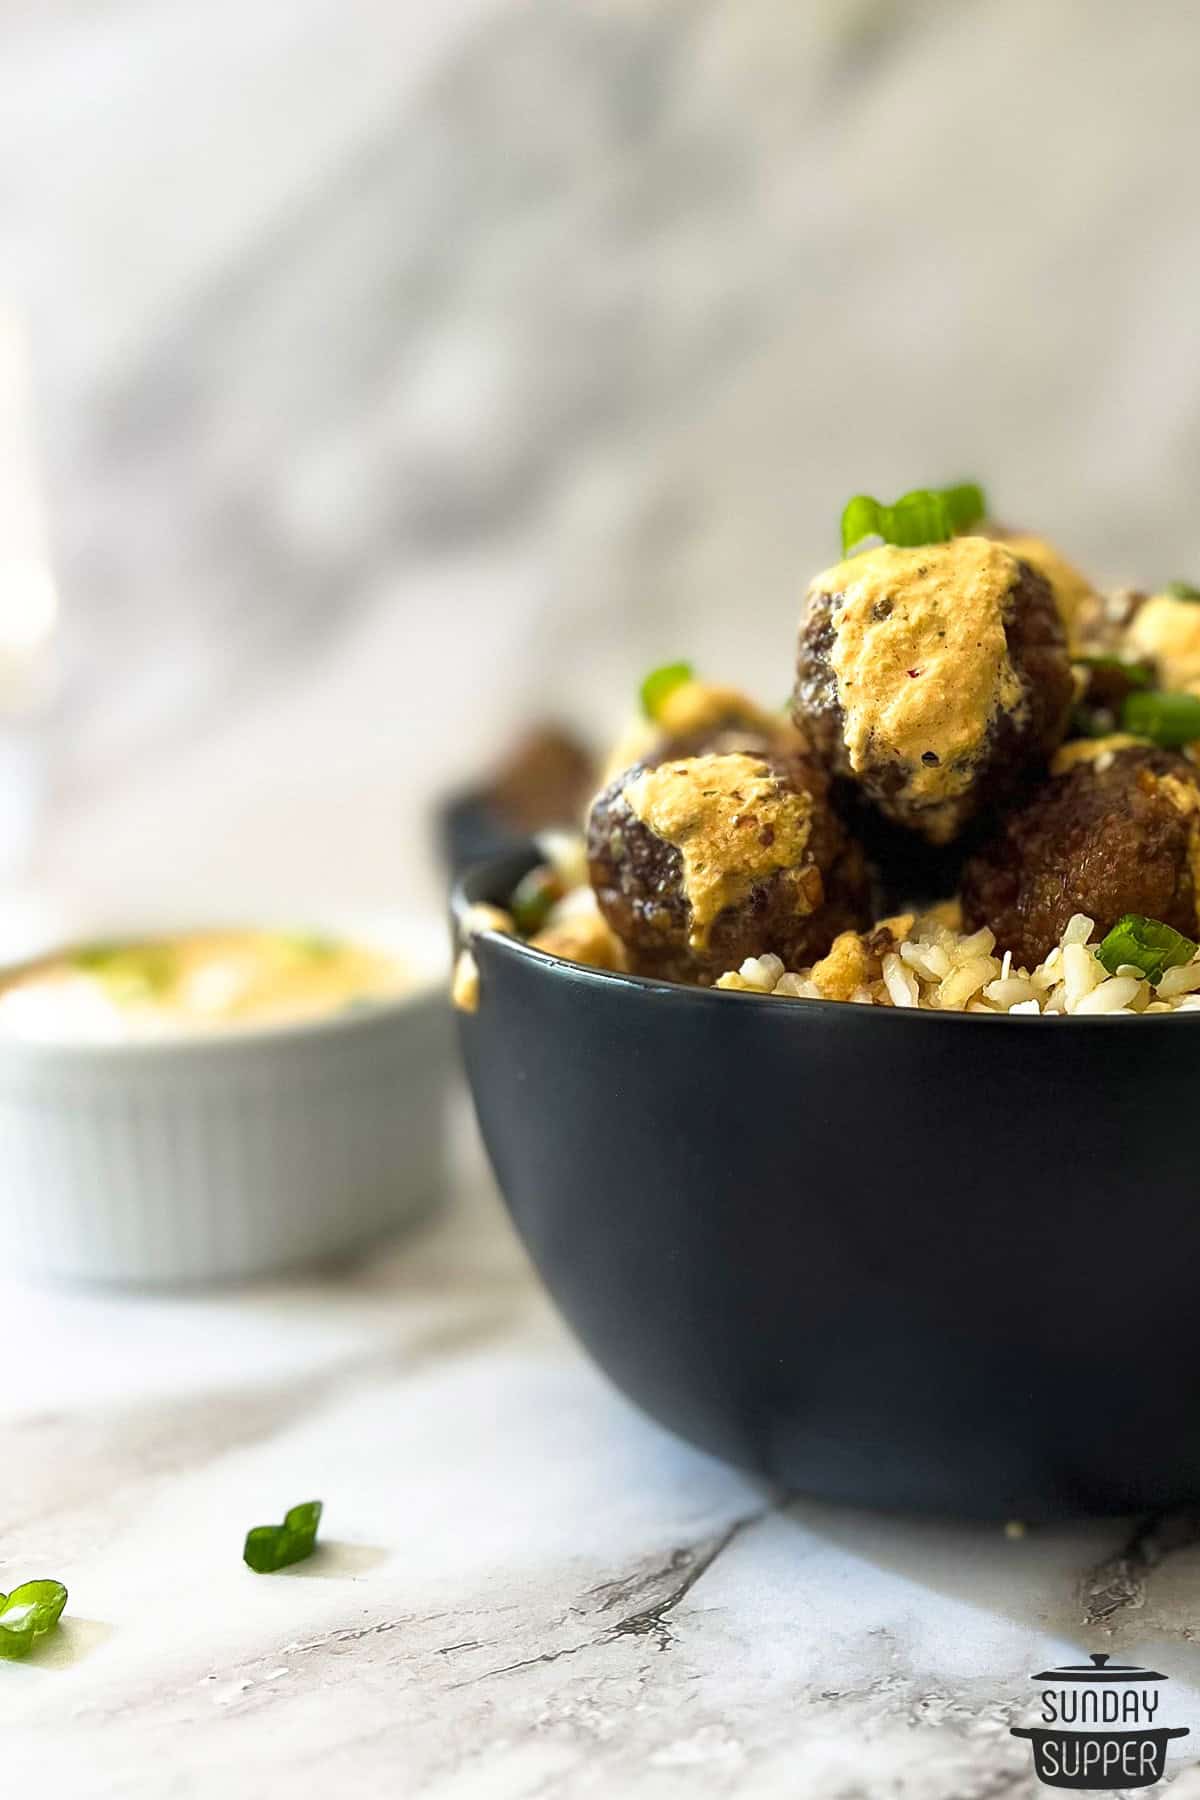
(934, 679)
(1118, 831)
(701, 861)
(545, 779)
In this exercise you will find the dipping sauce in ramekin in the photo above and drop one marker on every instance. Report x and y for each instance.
(195, 983)
(215, 1102)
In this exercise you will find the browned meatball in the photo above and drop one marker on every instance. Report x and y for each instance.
(1116, 833)
(545, 779)
(699, 862)
(934, 678)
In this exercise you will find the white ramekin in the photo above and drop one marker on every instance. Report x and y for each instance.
(227, 1155)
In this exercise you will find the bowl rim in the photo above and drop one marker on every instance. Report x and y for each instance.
(415, 935)
(479, 883)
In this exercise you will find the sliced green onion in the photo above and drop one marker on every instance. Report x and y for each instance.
(1147, 945)
(271, 1547)
(95, 956)
(967, 504)
(130, 971)
(533, 897)
(1137, 674)
(924, 516)
(1166, 719)
(27, 1614)
(317, 946)
(661, 682)
(1182, 590)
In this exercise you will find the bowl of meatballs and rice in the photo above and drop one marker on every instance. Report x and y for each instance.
(840, 1073)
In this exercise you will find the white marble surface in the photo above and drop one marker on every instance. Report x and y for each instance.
(526, 1589)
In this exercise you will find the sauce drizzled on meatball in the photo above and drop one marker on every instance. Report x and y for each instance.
(731, 823)
(921, 658)
(1072, 590)
(1100, 750)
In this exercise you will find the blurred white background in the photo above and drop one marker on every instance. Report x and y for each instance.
(400, 370)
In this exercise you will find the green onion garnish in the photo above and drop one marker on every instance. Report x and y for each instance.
(317, 946)
(661, 682)
(1182, 590)
(532, 899)
(1147, 945)
(27, 1614)
(130, 971)
(926, 516)
(1136, 674)
(270, 1547)
(1166, 719)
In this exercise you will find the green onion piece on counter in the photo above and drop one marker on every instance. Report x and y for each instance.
(925, 516)
(1166, 719)
(1145, 944)
(1182, 590)
(27, 1614)
(661, 682)
(270, 1547)
(533, 897)
(1137, 674)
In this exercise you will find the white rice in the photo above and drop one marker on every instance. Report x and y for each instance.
(938, 969)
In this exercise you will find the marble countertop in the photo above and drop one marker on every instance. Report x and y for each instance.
(525, 1588)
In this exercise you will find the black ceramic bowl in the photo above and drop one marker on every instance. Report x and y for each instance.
(907, 1259)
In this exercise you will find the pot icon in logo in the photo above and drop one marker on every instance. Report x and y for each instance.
(1100, 1728)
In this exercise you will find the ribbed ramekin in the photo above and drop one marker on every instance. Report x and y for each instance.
(227, 1155)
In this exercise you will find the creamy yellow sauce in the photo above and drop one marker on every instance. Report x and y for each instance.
(921, 659)
(846, 967)
(1167, 631)
(733, 826)
(1089, 750)
(696, 706)
(1070, 587)
(686, 711)
(201, 981)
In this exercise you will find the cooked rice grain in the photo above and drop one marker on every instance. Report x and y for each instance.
(940, 969)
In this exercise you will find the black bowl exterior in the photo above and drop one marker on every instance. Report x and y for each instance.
(915, 1260)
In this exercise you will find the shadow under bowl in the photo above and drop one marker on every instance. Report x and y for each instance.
(927, 1261)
